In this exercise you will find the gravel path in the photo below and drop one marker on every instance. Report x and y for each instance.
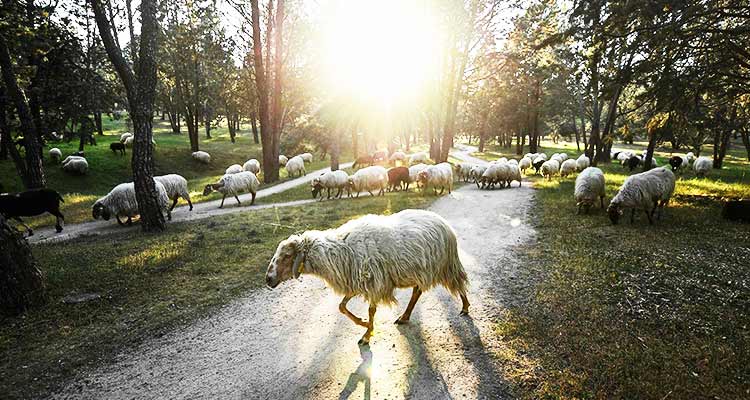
(292, 343)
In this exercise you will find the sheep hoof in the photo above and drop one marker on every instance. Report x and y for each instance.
(364, 341)
(401, 321)
(464, 312)
(58, 229)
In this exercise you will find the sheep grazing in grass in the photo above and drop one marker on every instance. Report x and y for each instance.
(121, 202)
(646, 191)
(557, 157)
(282, 160)
(234, 185)
(295, 167)
(524, 164)
(252, 165)
(589, 186)
(201, 156)
(331, 180)
(55, 154)
(736, 210)
(397, 156)
(371, 256)
(176, 187)
(463, 170)
(362, 161)
(125, 136)
(233, 169)
(368, 179)
(582, 162)
(702, 166)
(437, 176)
(419, 158)
(307, 157)
(538, 162)
(398, 178)
(414, 171)
(568, 167)
(75, 165)
(514, 173)
(550, 168)
(117, 147)
(31, 203)
(678, 163)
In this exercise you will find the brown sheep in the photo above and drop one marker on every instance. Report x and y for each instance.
(398, 176)
(362, 160)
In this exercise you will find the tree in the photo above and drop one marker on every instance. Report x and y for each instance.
(21, 281)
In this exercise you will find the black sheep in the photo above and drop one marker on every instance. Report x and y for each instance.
(538, 164)
(31, 203)
(117, 146)
(736, 210)
(675, 162)
(633, 163)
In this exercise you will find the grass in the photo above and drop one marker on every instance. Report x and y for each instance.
(150, 284)
(634, 311)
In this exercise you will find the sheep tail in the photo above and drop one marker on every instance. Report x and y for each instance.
(455, 279)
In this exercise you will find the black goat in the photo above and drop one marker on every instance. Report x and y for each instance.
(31, 203)
(736, 210)
(117, 146)
(675, 162)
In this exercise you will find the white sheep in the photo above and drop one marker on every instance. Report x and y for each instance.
(568, 167)
(690, 156)
(252, 165)
(75, 165)
(589, 186)
(524, 164)
(463, 170)
(306, 157)
(282, 160)
(564, 156)
(55, 154)
(124, 136)
(702, 166)
(420, 157)
(397, 156)
(582, 162)
(121, 202)
(646, 191)
(201, 156)
(414, 171)
(129, 141)
(374, 255)
(234, 184)
(513, 173)
(493, 174)
(476, 173)
(176, 187)
(437, 176)
(295, 166)
(331, 180)
(233, 169)
(550, 168)
(369, 179)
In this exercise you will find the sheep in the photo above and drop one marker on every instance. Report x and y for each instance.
(176, 187)
(624, 156)
(369, 179)
(121, 202)
(538, 162)
(582, 162)
(307, 157)
(678, 163)
(70, 158)
(201, 156)
(418, 158)
(398, 177)
(233, 169)
(494, 174)
(502, 160)
(632, 163)
(589, 186)
(524, 164)
(568, 167)
(55, 154)
(129, 141)
(331, 180)
(414, 171)
(373, 255)
(295, 166)
(234, 184)
(702, 166)
(380, 156)
(397, 156)
(690, 156)
(440, 175)
(31, 203)
(514, 173)
(362, 160)
(75, 165)
(476, 173)
(550, 168)
(564, 156)
(463, 170)
(117, 147)
(557, 157)
(282, 160)
(124, 136)
(251, 165)
(647, 191)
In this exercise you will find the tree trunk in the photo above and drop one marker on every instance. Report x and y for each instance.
(207, 123)
(266, 133)
(254, 127)
(21, 281)
(652, 137)
(278, 77)
(725, 137)
(336, 151)
(575, 129)
(4, 128)
(745, 141)
(98, 122)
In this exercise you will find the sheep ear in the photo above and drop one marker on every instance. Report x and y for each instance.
(299, 261)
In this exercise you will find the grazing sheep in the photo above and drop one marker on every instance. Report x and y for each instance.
(129, 141)
(282, 160)
(397, 156)
(234, 184)
(589, 186)
(307, 157)
(440, 175)
(538, 162)
(75, 165)
(233, 169)
(252, 165)
(125, 136)
(176, 187)
(647, 191)
(331, 180)
(736, 210)
(55, 154)
(362, 160)
(624, 156)
(369, 179)
(398, 177)
(550, 168)
(568, 167)
(632, 163)
(201, 156)
(494, 174)
(121, 202)
(513, 173)
(463, 170)
(31, 203)
(702, 166)
(524, 164)
(564, 156)
(557, 157)
(117, 147)
(371, 256)
(295, 166)
(678, 163)
(418, 158)
(414, 171)
(582, 162)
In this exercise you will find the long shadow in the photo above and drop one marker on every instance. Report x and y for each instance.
(363, 373)
(423, 365)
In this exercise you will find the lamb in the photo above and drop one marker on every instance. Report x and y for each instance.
(295, 166)
(414, 171)
(129, 141)
(282, 160)
(463, 170)
(307, 157)
(124, 136)
(582, 162)
(373, 255)
(702, 166)
(362, 160)
(418, 158)
(331, 180)
(75, 165)
(252, 165)
(233, 169)
(369, 179)
(201, 156)
(121, 202)
(550, 168)
(55, 154)
(398, 177)
(568, 167)
(589, 186)
(524, 164)
(397, 156)
(440, 175)
(117, 147)
(176, 187)
(31, 203)
(647, 191)
(234, 184)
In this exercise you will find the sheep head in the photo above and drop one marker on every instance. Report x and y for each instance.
(211, 187)
(98, 210)
(614, 211)
(287, 262)
(316, 187)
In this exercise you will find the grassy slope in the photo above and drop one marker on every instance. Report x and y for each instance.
(635, 311)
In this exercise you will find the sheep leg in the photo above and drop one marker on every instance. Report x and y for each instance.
(329, 194)
(130, 221)
(174, 203)
(60, 219)
(222, 201)
(464, 305)
(338, 194)
(239, 203)
(190, 203)
(404, 318)
(345, 311)
(370, 325)
(252, 201)
(442, 189)
(369, 191)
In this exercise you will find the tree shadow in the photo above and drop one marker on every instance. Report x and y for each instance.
(363, 373)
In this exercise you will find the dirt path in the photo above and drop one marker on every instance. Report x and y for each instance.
(182, 213)
(292, 342)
